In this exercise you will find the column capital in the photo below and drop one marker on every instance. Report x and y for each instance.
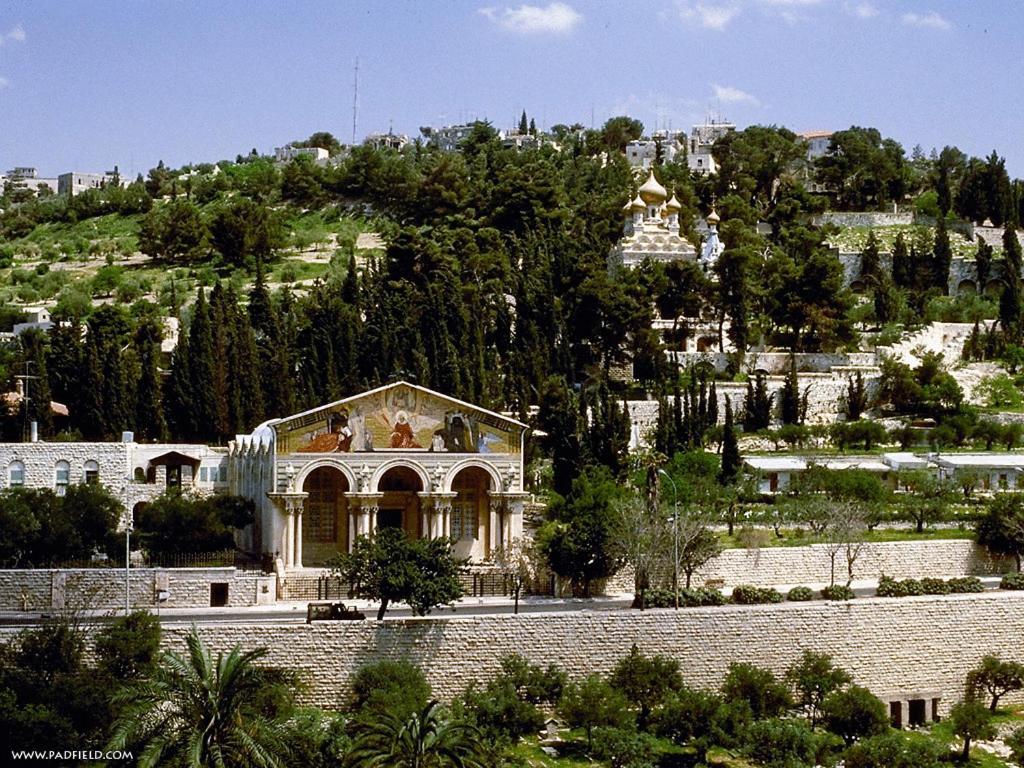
(290, 502)
(502, 500)
(437, 499)
(364, 501)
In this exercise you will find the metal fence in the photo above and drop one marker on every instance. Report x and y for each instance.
(225, 558)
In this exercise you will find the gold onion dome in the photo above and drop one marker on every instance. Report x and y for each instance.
(673, 206)
(628, 206)
(651, 191)
(637, 204)
(713, 218)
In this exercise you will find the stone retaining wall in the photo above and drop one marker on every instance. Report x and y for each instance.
(895, 647)
(103, 588)
(776, 566)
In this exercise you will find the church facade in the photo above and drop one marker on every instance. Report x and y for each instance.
(397, 456)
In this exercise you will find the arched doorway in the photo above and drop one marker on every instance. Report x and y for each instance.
(324, 516)
(471, 524)
(966, 287)
(399, 505)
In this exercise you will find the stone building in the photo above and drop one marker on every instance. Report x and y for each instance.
(399, 456)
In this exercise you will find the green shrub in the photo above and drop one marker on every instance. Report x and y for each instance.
(780, 743)
(389, 688)
(837, 592)
(747, 594)
(854, 713)
(965, 584)
(894, 750)
(1015, 741)
(621, 748)
(766, 695)
(800, 594)
(702, 596)
(1012, 581)
(889, 587)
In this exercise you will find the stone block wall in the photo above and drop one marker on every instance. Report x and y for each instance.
(103, 588)
(892, 646)
(864, 219)
(810, 566)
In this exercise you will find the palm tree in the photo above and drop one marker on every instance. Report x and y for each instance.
(428, 739)
(201, 712)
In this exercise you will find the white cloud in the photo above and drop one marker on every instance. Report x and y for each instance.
(861, 10)
(727, 94)
(529, 19)
(709, 16)
(931, 20)
(15, 35)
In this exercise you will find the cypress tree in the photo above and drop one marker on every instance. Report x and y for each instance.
(350, 286)
(178, 408)
(90, 407)
(149, 413)
(870, 260)
(789, 402)
(202, 369)
(942, 257)
(983, 264)
(902, 266)
(523, 125)
(1010, 300)
(730, 468)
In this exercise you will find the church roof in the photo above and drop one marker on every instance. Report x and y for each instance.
(396, 385)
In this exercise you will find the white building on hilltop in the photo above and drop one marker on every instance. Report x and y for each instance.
(75, 182)
(702, 138)
(284, 155)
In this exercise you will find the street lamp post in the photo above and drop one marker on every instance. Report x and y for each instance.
(675, 538)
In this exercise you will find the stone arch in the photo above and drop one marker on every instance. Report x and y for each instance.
(994, 287)
(966, 287)
(307, 469)
(489, 469)
(707, 343)
(325, 515)
(857, 286)
(414, 466)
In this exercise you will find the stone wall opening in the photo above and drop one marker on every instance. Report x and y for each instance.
(325, 517)
(400, 503)
(470, 523)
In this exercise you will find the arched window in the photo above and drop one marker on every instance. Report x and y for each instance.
(61, 477)
(92, 473)
(15, 474)
(140, 475)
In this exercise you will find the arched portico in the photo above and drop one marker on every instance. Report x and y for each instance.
(413, 466)
(398, 489)
(324, 523)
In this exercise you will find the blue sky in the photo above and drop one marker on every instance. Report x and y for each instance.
(85, 86)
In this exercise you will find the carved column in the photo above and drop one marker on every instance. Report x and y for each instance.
(290, 504)
(506, 510)
(362, 509)
(435, 513)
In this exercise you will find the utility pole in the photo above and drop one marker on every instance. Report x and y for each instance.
(25, 378)
(355, 100)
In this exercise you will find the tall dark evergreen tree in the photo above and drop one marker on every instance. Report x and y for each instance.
(870, 261)
(89, 414)
(731, 461)
(942, 256)
(32, 363)
(149, 413)
(178, 406)
(789, 397)
(202, 370)
(558, 418)
(983, 263)
(902, 264)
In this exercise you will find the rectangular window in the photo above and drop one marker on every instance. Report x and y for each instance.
(92, 477)
(17, 476)
(464, 516)
(62, 478)
(203, 474)
(223, 473)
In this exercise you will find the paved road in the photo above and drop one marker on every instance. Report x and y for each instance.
(296, 613)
